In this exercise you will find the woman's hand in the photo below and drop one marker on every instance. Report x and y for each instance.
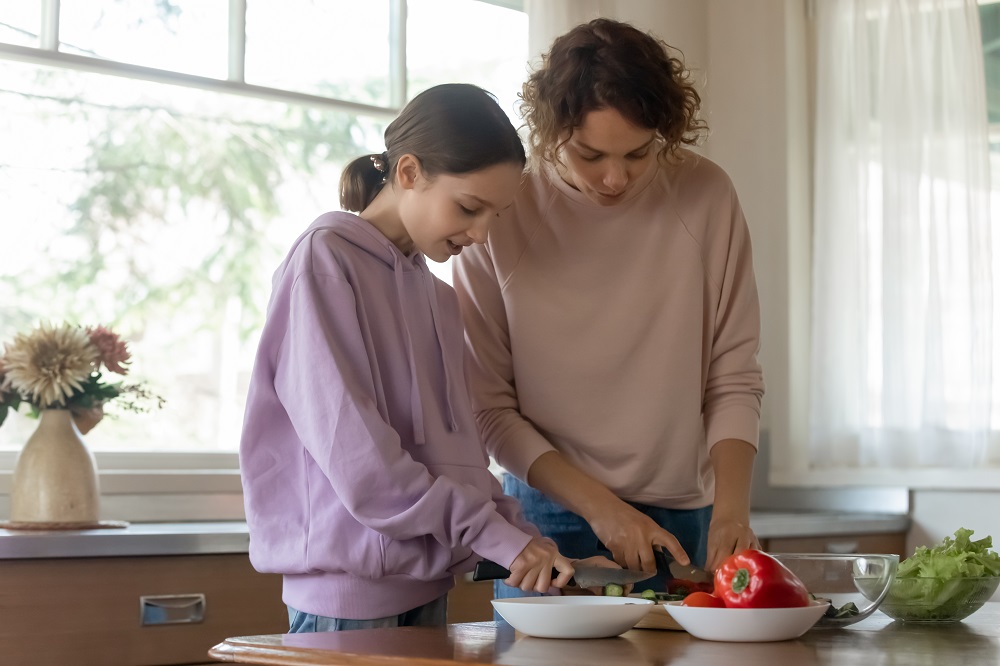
(631, 535)
(595, 561)
(725, 537)
(532, 569)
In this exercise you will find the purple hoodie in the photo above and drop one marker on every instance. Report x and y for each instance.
(365, 481)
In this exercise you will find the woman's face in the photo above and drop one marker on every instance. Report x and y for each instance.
(606, 155)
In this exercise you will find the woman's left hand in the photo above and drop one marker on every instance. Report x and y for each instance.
(725, 537)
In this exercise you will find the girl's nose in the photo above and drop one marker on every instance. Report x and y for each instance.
(479, 230)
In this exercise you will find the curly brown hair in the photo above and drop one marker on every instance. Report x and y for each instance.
(610, 64)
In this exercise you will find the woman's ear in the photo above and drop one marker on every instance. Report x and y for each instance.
(408, 171)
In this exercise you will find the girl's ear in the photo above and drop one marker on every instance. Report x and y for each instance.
(408, 171)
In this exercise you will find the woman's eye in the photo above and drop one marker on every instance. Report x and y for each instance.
(468, 211)
(591, 158)
(639, 156)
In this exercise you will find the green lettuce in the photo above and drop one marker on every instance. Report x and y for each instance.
(933, 582)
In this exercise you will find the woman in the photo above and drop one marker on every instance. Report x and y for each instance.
(612, 317)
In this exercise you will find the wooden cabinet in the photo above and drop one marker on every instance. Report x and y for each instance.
(133, 611)
(469, 600)
(842, 543)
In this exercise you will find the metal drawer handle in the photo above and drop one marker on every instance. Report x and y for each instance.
(171, 609)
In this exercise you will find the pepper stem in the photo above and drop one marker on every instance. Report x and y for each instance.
(740, 580)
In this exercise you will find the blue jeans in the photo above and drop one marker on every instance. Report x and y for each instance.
(433, 614)
(577, 540)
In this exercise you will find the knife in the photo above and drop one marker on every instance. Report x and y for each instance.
(666, 562)
(584, 576)
(668, 566)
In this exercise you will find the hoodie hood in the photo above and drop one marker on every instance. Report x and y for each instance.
(361, 234)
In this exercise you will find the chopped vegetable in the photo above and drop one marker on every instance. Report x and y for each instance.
(754, 579)
(649, 594)
(686, 587)
(703, 600)
(614, 590)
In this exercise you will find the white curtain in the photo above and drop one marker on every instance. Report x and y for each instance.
(547, 19)
(903, 304)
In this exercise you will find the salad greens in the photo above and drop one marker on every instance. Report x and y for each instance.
(953, 558)
(933, 582)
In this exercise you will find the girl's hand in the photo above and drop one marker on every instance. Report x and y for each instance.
(532, 569)
(630, 535)
(725, 537)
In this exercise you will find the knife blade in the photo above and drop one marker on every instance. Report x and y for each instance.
(665, 562)
(584, 576)
(668, 566)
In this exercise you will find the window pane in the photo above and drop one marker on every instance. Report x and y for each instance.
(189, 36)
(485, 44)
(336, 48)
(20, 21)
(161, 211)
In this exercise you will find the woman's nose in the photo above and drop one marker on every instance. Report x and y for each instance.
(616, 177)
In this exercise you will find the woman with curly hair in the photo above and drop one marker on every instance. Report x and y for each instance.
(612, 317)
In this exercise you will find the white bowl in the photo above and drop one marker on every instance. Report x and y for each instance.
(746, 625)
(572, 616)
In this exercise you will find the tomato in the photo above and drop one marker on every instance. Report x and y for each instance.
(703, 600)
(753, 579)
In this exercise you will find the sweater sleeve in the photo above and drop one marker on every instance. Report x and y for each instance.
(734, 384)
(510, 438)
(324, 381)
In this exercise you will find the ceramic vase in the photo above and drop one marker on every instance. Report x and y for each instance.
(55, 479)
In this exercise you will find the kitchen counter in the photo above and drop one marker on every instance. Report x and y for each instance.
(875, 641)
(202, 538)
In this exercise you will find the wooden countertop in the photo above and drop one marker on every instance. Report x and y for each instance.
(875, 641)
(202, 538)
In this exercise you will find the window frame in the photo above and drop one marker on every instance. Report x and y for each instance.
(193, 485)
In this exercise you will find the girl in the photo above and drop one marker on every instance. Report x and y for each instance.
(613, 318)
(365, 481)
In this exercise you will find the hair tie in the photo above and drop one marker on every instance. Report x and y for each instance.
(380, 162)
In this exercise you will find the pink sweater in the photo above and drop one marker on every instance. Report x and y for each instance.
(624, 337)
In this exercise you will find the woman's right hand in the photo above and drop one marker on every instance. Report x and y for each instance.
(631, 535)
(532, 569)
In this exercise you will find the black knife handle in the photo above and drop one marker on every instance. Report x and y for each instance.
(490, 570)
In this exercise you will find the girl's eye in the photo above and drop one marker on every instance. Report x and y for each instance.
(468, 211)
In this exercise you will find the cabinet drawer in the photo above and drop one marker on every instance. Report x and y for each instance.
(53, 611)
(841, 543)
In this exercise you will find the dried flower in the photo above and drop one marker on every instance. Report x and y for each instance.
(60, 367)
(114, 351)
(50, 364)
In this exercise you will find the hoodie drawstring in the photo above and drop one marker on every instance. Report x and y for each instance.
(416, 406)
(435, 316)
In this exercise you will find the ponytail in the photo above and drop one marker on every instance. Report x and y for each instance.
(361, 180)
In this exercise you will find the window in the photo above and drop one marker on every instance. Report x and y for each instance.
(161, 155)
(904, 311)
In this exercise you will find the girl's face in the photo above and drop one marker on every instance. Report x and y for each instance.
(443, 214)
(606, 155)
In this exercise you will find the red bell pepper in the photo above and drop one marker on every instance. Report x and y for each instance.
(753, 579)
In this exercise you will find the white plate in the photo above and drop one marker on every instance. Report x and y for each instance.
(746, 625)
(573, 616)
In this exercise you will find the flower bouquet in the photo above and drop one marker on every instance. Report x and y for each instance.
(58, 371)
(60, 367)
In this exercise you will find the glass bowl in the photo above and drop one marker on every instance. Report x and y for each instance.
(854, 584)
(927, 599)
